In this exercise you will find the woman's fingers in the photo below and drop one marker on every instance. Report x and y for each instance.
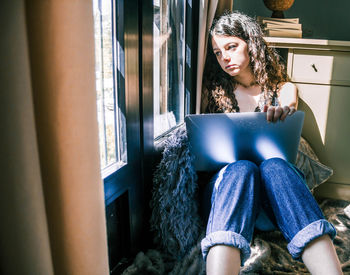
(273, 113)
(285, 112)
(270, 113)
(292, 110)
(277, 114)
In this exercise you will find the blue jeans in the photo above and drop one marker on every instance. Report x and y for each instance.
(273, 195)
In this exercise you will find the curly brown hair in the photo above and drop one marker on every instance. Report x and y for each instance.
(268, 70)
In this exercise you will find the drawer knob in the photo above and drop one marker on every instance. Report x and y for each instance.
(314, 67)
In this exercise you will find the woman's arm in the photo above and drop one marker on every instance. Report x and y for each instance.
(288, 95)
(288, 98)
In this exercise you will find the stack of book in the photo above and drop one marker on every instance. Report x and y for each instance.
(281, 27)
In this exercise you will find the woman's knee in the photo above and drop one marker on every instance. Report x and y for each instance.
(277, 172)
(273, 164)
(242, 172)
(238, 175)
(243, 168)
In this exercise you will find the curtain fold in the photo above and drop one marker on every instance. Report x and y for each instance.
(52, 201)
(208, 10)
(24, 238)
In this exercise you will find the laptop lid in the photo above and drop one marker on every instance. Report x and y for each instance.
(218, 139)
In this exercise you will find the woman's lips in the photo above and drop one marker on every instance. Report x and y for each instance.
(230, 67)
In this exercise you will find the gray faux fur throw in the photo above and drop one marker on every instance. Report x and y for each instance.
(269, 253)
(175, 218)
(178, 228)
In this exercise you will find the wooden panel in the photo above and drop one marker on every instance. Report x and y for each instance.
(326, 126)
(321, 67)
(118, 230)
(306, 43)
(333, 190)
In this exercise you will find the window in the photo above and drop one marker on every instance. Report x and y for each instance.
(169, 101)
(126, 109)
(109, 70)
(119, 122)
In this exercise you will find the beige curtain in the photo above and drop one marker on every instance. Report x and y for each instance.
(208, 10)
(52, 216)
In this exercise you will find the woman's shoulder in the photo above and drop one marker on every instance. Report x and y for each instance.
(287, 86)
(288, 94)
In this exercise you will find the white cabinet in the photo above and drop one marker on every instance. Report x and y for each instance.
(321, 71)
(320, 67)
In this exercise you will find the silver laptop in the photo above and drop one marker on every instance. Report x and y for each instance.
(218, 139)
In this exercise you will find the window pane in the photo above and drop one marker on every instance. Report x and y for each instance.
(169, 57)
(110, 119)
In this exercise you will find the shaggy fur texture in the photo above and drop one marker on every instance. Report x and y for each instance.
(179, 230)
(175, 218)
(269, 253)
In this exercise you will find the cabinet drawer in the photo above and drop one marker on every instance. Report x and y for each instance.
(321, 67)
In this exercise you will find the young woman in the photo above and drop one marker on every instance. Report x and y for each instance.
(243, 75)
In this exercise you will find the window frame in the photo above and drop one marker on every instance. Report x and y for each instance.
(136, 31)
(190, 62)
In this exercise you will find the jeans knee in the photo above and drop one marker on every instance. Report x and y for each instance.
(238, 175)
(243, 167)
(272, 169)
(278, 173)
(273, 164)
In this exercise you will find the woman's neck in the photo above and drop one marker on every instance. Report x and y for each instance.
(245, 79)
(246, 84)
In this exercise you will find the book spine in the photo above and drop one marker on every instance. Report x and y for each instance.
(282, 26)
(284, 33)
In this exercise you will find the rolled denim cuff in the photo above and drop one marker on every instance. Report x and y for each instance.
(314, 230)
(228, 238)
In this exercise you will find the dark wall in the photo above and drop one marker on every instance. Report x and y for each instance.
(321, 19)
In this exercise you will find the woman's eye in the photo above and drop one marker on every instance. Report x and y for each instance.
(217, 53)
(231, 47)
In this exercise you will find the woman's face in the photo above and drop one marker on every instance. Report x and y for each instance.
(232, 54)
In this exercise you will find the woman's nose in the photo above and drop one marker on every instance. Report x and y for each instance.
(225, 56)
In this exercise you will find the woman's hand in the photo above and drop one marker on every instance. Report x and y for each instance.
(274, 113)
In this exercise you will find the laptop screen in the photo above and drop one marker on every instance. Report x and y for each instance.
(219, 139)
